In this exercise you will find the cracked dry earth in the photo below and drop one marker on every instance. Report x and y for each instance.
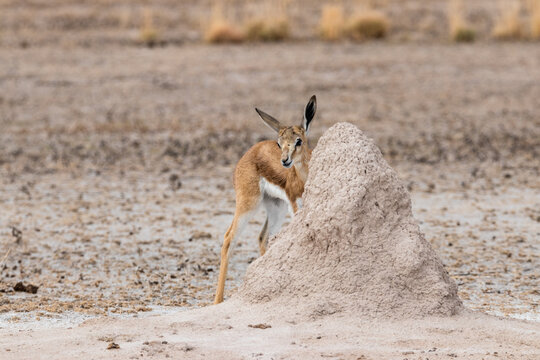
(109, 244)
(115, 184)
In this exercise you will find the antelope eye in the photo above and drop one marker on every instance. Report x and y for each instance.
(298, 142)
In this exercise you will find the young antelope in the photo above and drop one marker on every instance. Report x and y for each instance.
(271, 173)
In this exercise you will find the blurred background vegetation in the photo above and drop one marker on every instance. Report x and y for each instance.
(167, 22)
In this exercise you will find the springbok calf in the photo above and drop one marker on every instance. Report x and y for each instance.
(272, 174)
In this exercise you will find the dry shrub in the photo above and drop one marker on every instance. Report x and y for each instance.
(508, 25)
(223, 32)
(459, 29)
(267, 30)
(332, 22)
(367, 24)
(220, 30)
(534, 13)
(149, 34)
(274, 26)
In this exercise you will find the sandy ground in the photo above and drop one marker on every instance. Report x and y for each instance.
(236, 331)
(116, 190)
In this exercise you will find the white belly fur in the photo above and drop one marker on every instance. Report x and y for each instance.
(274, 191)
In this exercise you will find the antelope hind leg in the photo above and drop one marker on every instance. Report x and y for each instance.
(263, 238)
(238, 224)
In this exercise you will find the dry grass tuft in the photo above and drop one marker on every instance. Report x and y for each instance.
(459, 29)
(220, 30)
(508, 26)
(534, 13)
(366, 25)
(274, 26)
(149, 34)
(267, 30)
(223, 32)
(464, 35)
(332, 22)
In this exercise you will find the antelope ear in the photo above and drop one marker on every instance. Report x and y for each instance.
(309, 112)
(269, 120)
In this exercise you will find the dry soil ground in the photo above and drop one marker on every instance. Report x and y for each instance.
(116, 164)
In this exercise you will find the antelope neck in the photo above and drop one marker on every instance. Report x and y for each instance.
(301, 168)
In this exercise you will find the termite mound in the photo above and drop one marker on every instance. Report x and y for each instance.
(354, 246)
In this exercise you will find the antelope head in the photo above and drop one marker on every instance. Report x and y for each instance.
(292, 140)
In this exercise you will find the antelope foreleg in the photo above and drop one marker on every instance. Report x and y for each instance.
(263, 238)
